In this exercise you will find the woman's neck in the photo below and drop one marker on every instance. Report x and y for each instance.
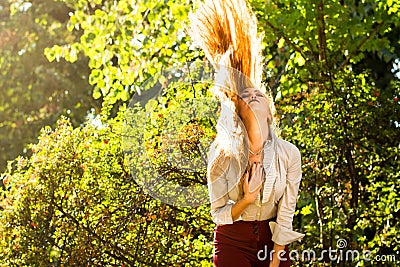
(258, 134)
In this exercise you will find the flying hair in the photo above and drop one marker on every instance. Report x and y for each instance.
(226, 30)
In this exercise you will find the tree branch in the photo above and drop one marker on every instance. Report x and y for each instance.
(360, 45)
(295, 47)
(321, 32)
(291, 44)
(114, 247)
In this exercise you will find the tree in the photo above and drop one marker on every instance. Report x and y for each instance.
(75, 203)
(126, 43)
(36, 92)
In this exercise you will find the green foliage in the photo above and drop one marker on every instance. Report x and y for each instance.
(171, 132)
(34, 92)
(74, 203)
(348, 136)
(329, 68)
(126, 42)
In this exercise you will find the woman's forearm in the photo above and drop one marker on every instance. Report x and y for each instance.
(249, 196)
(238, 208)
(279, 253)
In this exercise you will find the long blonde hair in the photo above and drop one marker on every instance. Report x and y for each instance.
(226, 30)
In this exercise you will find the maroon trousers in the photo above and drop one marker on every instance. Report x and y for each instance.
(245, 244)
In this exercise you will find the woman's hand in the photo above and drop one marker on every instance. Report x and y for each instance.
(252, 183)
(274, 263)
(251, 187)
(278, 255)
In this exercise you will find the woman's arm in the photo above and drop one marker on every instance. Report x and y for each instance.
(279, 251)
(218, 187)
(251, 188)
(282, 231)
(223, 210)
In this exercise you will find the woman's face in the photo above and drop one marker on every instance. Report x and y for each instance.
(253, 100)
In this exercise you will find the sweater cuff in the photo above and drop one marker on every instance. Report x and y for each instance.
(282, 235)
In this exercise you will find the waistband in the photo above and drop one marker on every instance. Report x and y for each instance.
(273, 219)
(243, 232)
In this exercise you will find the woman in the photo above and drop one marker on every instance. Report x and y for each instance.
(254, 216)
(253, 176)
